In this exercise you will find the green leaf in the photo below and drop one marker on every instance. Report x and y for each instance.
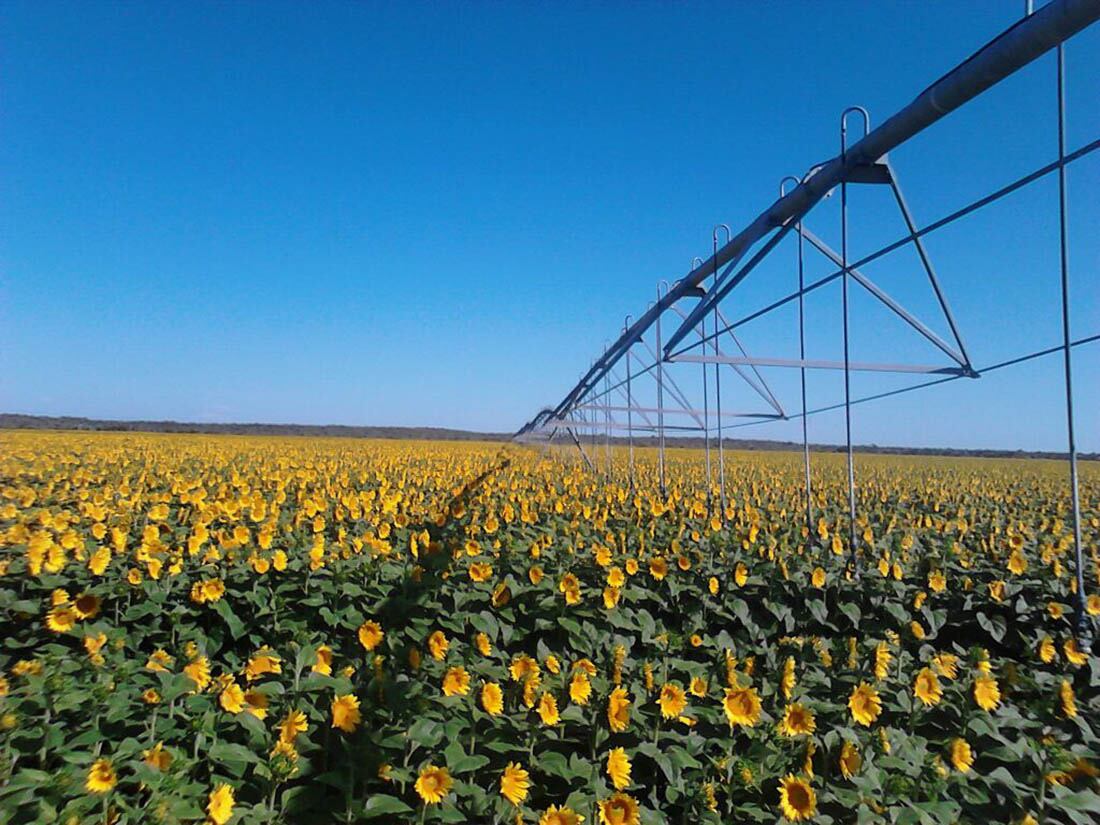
(235, 625)
(381, 804)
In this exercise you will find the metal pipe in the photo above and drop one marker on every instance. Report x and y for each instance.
(802, 370)
(1082, 623)
(607, 425)
(718, 387)
(660, 406)
(853, 559)
(629, 410)
(706, 409)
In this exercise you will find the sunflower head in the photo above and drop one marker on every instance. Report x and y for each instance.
(345, 713)
(962, 757)
(618, 768)
(620, 809)
(742, 706)
(101, 777)
(433, 784)
(514, 783)
(560, 816)
(797, 720)
(797, 798)
(864, 703)
(927, 687)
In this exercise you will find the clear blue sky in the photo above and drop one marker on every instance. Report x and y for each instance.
(435, 214)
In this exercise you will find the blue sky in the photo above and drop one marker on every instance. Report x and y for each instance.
(436, 214)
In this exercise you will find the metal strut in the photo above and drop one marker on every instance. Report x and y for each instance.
(718, 386)
(1082, 625)
(802, 369)
(853, 560)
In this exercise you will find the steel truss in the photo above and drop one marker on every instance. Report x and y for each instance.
(600, 395)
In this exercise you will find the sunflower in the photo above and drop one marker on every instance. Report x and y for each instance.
(86, 606)
(818, 578)
(345, 713)
(219, 806)
(864, 703)
(742, 706)
(797, 798)
(946, 665)
(882, 660)
(294, 723)
(371, 635)
(322, 660)
(962, 757)
(492, 698)
(548, 709)
(850, 759)
(585, 665)
(61, 618)
(483, 645)
(787, 682)
(456, 682)
(618, 768)
(514, 783)
(531, 689)
(741, 574)
(213, 590)
(797, 721)
(262, 662)
(620, 809)
(618, 710)
(560, 816)
(232, 697)
(1047, 651)
(157, 757)
(658, 568)
(199, 672)
(672, 700)
(1074, 654)
(1066, 697)
(101, 777)
(94, 644)
(480, 571)
(580, 688)
(438, 645)
(986, 692)
(433, 784)
(522, 667)
(256, 703)
(927, 687)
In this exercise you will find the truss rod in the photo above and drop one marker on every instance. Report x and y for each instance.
(1004, 191)
(879, 293)
(1080, 342)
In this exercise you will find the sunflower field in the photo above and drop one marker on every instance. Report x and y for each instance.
(256, 630)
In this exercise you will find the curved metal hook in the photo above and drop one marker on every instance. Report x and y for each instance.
(783, 184)
(714, 232)
(844, 125)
